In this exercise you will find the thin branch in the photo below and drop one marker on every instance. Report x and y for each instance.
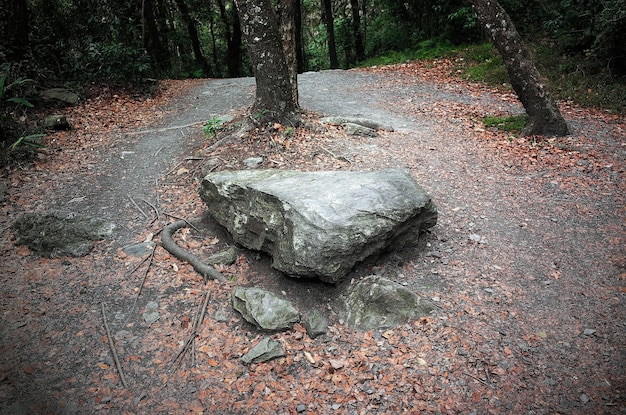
(156, 211)
(194, 331)
(186, 221)
(143, 280)
(138, 208)
(118, 365)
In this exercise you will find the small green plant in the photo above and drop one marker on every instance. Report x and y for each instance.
(31, 140)
(212, 127)
(514, 123)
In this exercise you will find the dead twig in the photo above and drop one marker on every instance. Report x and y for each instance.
(179, 218)
(478, 379)
(138, 208)
(143, 280)
(156, 211)
(194, 331)
(118, 365)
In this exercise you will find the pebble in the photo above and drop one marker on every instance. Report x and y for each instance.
(589, 332)
(301, 408)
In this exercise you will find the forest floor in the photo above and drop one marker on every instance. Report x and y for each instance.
(526, 268)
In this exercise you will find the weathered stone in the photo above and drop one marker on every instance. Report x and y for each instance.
(265, 350)
(376, 302)
(318, 224)
(359, 130)
(315, 324)
(60, 94)
(365, 122)
(226, 257)
(56, 234)
(56, 122)
(140, 249)
(264, 309)
(253, 162)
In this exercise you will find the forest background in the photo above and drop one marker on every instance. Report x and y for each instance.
(77, 44)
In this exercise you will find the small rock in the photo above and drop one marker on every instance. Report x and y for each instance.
(264, 309)
(300, 408)
(227, 257)
(151, 317)
(152, 305)
(584, 398)
(335, 406)
(139, 250)
(56, 122)
(589, 332)
(315, 324)
(265, 350)
(359, 130)
(253, 162)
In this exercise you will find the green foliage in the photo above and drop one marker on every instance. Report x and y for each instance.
(427, 49)
(481, 63)
(515, 123)
(212, 127)
(31, 140)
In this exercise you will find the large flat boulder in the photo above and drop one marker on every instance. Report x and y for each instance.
(318, 224)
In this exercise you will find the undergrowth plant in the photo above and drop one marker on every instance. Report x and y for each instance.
(212, 127)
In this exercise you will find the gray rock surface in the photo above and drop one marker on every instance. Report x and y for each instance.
(265, 350)
(56, 234)
(318, 224)
(225, 257)
(359, 130)
(60, 94)
(315, 324)
(264, 309)
(376, 302)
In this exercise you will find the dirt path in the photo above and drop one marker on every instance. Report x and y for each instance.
(526, 266)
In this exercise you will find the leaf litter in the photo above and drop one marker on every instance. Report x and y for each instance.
(530, 322)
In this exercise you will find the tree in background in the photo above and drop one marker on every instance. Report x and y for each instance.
(274, 100)
(544, 117)
(329, 22)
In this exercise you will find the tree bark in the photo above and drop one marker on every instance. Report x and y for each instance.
(233, 39)
(274, 100)
(286, 18)
(544, 117)
(14, 29)
(193, 35)
(151, 37)
(359, 48)
(329, 21)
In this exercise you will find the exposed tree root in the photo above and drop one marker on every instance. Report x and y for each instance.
(168, 243)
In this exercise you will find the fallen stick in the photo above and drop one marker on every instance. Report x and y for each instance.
(143, 281)
(118, 365)
(168, 244)
(194, 331)
(138, 208)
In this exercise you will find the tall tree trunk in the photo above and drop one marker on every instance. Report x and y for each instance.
(299, 42)
(259, 25)
(151, 38)
(193, 35)
(286, 19)
(359, 48)
(329, 21)
(14, 28)
(232, 32)
(544, 117)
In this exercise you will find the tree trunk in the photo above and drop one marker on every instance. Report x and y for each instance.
(14, 29)
(151, 39)
(286, 18)
(329, 21)
(299, 42)
(233, 39)
(193, 35)
(259, 25)
(544, 117)
(356, 30)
